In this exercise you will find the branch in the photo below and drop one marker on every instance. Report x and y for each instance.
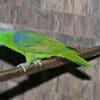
(47, 64)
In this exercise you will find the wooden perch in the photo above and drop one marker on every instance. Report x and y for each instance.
(47, 64)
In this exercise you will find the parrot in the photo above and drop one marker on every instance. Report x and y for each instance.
(36, 46)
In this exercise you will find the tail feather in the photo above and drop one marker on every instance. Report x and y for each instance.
(76, 59)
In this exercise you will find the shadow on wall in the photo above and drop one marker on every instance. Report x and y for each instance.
(10, 56)
(38, 78)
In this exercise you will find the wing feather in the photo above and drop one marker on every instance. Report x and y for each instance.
(35, 42)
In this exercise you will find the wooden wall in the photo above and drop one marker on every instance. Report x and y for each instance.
(70, 21)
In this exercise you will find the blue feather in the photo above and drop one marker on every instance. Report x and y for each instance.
(18, 37)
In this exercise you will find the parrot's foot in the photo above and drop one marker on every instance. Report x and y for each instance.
(37, 62)
(23, 66)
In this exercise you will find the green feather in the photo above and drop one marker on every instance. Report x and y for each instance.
(35, 45)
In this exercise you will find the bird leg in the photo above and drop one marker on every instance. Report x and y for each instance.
(35, 59)
(37, 62)
(23, 66)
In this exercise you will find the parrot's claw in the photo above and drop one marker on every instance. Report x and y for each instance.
(37, 62)
(23, 66)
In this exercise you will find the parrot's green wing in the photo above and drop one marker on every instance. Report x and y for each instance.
(35, 43)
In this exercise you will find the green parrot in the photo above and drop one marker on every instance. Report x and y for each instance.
(35, 46)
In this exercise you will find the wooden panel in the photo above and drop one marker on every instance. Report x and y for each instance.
(70, 21)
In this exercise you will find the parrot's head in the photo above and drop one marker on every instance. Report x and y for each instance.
(5, 36)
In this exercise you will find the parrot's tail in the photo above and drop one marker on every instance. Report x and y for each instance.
(76, 59)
